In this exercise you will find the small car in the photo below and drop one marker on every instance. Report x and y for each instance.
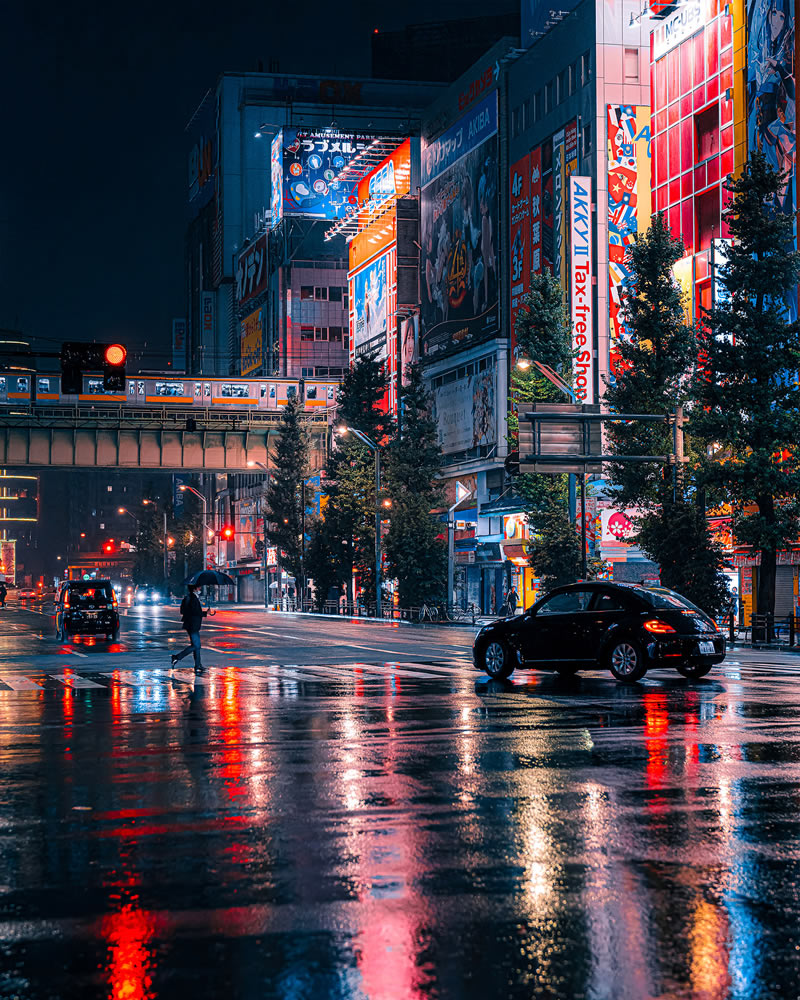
(27, 594)
(149, 595)
(625, 628)
(87, 607)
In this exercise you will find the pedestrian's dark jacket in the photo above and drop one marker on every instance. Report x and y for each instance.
(192, 613)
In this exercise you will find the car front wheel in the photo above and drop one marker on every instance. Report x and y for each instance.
(497, 660)
(626, 661)
(694, 671)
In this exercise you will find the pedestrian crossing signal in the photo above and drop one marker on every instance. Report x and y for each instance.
(228, 532)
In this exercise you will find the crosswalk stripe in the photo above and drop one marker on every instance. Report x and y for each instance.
(74, 681)
(21, 684)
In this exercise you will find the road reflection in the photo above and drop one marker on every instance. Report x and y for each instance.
(403, 840)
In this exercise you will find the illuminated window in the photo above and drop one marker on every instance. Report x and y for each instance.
(306, 332)
(306, 291)
(706, 131)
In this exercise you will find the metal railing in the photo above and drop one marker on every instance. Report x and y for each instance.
(762, 629)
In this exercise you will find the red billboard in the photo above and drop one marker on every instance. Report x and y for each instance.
(251, 271)
(519, 235)
(536, 210)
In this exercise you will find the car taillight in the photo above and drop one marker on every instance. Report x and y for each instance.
(114, 601)
(657, 627)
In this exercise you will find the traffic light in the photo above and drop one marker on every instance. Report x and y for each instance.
(78, 359)
(114, 357)
(108, 547)
(227, 532)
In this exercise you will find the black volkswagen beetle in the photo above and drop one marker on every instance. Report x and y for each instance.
(623, 627)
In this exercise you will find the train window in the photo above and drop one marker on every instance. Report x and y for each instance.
(131, 388)
(273, 392)
(311, 392)
(206, 388)
(140, 388)
(3, 385)
(95, 387)
(22, 385)
(291, 391)
(43, 385)
(169, 388)
(235, 390)
(198, 388)
(331, 393)
(263, 390)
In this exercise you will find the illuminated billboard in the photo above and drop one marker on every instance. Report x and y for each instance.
(581, 269)
(370, 309)
(390, 179)
(459, 213)
(519, 238)
(304, 166)
(628, 206)
(251, 341)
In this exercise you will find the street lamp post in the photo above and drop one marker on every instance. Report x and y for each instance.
(184, 488)
(373, 446)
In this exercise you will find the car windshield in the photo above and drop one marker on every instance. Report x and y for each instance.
(90, 595)
(660, 597)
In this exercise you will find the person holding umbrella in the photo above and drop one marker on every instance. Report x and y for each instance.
(192, 614)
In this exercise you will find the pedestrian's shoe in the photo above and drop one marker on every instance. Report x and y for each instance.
(199, 670)
(174, 659)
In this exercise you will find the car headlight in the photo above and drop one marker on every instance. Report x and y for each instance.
(156, 597)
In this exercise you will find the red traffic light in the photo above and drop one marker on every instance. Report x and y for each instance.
(108, 547)
(115, 354)
(227, 532)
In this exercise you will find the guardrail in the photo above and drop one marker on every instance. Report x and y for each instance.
(762, 630)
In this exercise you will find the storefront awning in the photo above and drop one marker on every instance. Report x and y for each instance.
(503, 505)
(516, 552)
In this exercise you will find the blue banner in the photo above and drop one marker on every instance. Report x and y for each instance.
(468, 132)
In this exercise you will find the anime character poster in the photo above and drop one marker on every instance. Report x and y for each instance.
(771, 99)
(628, 205)
(370, 309)
(520, 239)
(409, 345)
(459, 281)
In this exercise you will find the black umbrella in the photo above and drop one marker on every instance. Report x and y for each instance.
(209, 578)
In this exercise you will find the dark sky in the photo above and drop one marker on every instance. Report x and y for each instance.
(92, 182)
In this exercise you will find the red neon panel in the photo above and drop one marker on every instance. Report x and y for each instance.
(726, 57)
(674, 219)
(674, 152)
(660, 122)
(712, 171)
(726, 162)
(655, 144)
(661, 84)
(675, 190)
(699, 98)
(712, 87)
(687, 144)
(687, 66)
(699, 60)
(673, 76)
(699, 177)
(686, 104)
(725, 31)
(661, 154)
(725, 79)
(701, 268)
(687, 186)
(673, 113)
(726, 137)
(687, 224)
(725, 111)
(712, 48)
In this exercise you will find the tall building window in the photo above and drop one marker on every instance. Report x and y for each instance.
(586, 68)
(306, 291)
(631, 65)
(706, 132)
(586, 139)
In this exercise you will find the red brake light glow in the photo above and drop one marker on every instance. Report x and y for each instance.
(657, 627)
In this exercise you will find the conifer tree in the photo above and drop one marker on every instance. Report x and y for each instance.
(747, 393)
(415, 552)
(653, 376)
(284, 492)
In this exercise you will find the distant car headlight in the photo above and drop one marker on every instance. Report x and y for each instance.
(139, 598)
(156, 597)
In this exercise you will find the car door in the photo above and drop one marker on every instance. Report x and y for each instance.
(558, 628)
(606, 611)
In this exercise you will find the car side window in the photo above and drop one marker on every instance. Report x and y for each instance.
(567, 603)
(608, 601)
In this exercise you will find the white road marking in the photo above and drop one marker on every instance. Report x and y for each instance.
(21, 684)
(70, 680)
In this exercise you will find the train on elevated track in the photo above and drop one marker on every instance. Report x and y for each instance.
(170, 390)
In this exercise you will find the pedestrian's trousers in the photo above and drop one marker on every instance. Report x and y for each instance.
(193, 647)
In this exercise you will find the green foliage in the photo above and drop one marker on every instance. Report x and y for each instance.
(415, 553)
(748, 399)
(679, 540)
(555, 550)
(654, 365)
(321, 562)
(350, 511)
(284, 492)
(542, 327)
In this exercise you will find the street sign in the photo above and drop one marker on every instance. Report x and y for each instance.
(559, 445)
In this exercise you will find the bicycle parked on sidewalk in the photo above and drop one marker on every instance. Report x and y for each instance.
(455, 613)
(429, 612)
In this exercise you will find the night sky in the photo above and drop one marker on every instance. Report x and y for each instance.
(94, 153)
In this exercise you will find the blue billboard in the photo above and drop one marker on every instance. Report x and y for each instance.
(370, 309)
(305, 164)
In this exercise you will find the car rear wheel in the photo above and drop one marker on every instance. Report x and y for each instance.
(497, 660)
(626, 661)
(694, 671)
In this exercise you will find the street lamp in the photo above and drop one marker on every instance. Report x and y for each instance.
(373, 446)
(124, 510)
(184, 488)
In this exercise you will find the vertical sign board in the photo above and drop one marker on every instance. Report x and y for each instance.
(559, 215)
(251, 337)
(519, 237)
(770, 103)
(536, 210)
(276, 175)
(207, 319)
(581, 267)
(548, 243)
(179, 345)
(8, 560)
(628, 207)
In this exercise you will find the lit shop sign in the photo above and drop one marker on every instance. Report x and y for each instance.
(581, 299)
(686, 20)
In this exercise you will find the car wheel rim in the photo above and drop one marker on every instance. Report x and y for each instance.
(624, 659)
(495, 657)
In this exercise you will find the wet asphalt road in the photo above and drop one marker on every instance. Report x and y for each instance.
(349, 811)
